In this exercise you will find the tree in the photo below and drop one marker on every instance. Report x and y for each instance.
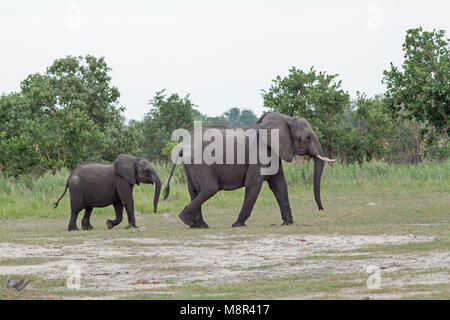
(13, 109)
(247, 118)
(232, 117)
(62, 117)
(315, 96)
(80, 83)
(214, 121)
(167, 113)
(420, 90)
(67, 138)
(371, 128)
(240, 118)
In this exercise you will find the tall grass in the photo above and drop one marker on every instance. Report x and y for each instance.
(28, 196)
(367, 173)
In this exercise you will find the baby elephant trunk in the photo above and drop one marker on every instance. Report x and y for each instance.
(157, 192)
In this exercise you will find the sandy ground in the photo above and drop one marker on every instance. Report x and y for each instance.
(139, 263)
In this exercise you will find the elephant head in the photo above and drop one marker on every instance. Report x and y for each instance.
(136, 170)
(296, 137)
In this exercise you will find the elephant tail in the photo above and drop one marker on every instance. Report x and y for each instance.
(167, 188)
(57, 202)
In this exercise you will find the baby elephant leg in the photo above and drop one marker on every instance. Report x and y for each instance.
(118, 207)
(73, 220)
(86, 223)
(125, 192)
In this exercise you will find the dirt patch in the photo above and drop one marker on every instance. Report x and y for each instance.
(215, 258)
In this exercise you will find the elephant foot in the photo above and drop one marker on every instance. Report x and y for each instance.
(88, 227)
(238, 224)
(109, 224)
(287, 223)
(186, 219)
(201, 225)
(72, 228)
(133, 226)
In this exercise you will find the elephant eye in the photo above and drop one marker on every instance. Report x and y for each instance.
(147, 172)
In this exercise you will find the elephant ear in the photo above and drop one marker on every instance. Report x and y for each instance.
(283, 123)
(125, 167)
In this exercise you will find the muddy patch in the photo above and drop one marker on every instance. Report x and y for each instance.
(145, 263)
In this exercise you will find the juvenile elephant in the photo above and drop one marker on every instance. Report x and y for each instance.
(205, 179)
(95, 185)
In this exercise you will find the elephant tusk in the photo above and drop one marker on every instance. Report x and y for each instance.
(325, 159)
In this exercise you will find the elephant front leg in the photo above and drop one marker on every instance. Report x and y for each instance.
(129, 207)
(251, 194)
(125, 192)
(118, 208)
(277, 184)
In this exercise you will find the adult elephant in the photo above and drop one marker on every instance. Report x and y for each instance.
(296, 137)
(96, 185)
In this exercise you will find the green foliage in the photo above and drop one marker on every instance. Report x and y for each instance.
(167, 113)
(63, 117)
(213, 121)
(238, 118)
(420, 90)
(233, 118)
(371, 124)
(67, 138)
(167, 150)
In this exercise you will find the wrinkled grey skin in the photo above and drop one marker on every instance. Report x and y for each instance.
(95, 185)
(296, 138)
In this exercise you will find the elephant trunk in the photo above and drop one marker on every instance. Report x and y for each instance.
(157, 192)
(318, 168)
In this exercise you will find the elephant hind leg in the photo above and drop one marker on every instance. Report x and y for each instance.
(86, 223)
(198, 221)
(118, 208)
(73, 219)
(190, 214)
(76, 205)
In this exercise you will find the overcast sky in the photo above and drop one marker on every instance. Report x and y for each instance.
(222, 53)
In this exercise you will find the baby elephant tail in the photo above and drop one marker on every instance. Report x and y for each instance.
(57, 202)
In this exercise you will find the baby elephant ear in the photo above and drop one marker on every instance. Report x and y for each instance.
(125, 167)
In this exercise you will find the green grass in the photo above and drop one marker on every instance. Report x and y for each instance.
(23, 261)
